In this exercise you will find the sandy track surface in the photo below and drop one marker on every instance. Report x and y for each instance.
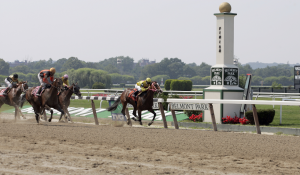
(59, 148)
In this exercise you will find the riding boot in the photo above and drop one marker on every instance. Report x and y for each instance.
(135, 94)
(39, 91)
(6, 90)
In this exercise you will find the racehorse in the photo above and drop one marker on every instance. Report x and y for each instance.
(144, 102)
(64, 98)
(49, 98)
(12, 98)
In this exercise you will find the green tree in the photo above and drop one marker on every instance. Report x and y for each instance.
(203, 70)
(4, 67)
(72, 63)
(158, 78)
(111, 69)
(188, 71)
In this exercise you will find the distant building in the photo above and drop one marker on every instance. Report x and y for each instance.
(17, 63)
(144, 62)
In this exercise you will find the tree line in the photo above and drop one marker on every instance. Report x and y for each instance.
(110, 72)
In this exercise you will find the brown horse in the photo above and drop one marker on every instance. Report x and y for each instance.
(12, 98)
(64, 99)
(144, 102)
(49, 98)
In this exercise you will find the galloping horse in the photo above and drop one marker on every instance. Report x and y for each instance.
(64, 98)
(48, 99)
(12, 98)
(144, 102)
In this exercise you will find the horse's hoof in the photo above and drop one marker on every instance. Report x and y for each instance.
(141, 123)
(49, 120)
(61, 121)
(149, 124)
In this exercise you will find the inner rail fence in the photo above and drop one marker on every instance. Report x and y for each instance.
(200, 102)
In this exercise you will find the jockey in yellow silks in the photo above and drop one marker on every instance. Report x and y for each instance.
(142, 86)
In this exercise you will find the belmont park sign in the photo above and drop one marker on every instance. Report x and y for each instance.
(189, 106)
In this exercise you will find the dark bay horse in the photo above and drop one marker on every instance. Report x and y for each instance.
(49, 98)
(12, 98)
(144, 102)
(65, 96)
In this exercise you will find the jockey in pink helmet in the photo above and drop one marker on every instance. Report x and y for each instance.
(65, 80)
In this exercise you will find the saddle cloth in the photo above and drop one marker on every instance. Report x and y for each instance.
(35, 90)
(131, 94)
(1, 92)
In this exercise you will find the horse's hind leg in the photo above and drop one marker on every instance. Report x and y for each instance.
(134, 113)
(152, 111)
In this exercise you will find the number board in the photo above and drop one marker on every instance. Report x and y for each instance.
(216, 76)
(231, 76)
(296, 77)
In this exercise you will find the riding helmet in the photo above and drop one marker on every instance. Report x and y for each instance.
(52, 69)
(15, 76)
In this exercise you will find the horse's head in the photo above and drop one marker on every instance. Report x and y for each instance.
(23, 86)
(155, 87)
(76, 90)
(58, 84)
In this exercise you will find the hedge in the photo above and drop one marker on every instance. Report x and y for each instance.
(265, 116)
(167, 84)
(181, 85)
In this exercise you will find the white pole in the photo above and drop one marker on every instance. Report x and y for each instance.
(280, 114)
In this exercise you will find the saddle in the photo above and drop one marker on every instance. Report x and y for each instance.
(131, 94)
(133, 91)
(34, 91)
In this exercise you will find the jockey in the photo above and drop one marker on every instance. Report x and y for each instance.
(10, 81)
(46, 78)
(142, 86)
(65, 81)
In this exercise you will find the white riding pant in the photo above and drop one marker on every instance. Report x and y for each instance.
(41, 80)
(138, 87)
(8, 83)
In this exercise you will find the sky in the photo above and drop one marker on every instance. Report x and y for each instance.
(93, 30)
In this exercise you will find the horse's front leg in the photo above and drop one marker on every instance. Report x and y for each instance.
(21, 113)
(69, 115)
(140, 116)
(51, 111)
(152, 111)
(60, 110)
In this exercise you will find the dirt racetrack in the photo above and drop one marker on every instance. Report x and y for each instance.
(59, 148)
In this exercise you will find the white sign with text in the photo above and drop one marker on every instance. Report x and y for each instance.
(189, 106)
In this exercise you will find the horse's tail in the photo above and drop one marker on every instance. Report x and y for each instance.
(115, 105)
(22, 100)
